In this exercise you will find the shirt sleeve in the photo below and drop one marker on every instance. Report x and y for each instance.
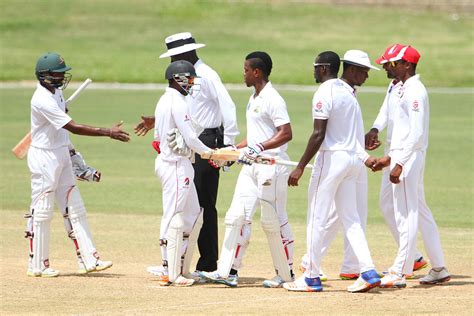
(183, 122)
(229, 117)
(322, 106)
(53, 113)
(382, 118)
(416, 108)
(278, 112)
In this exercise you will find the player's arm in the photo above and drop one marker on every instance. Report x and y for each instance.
(314, 143)
(185, 127)
(283, 135)
(372, 137)
(115, 132)
(147, 123)
(229, 117)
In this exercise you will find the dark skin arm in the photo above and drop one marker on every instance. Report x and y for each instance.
(283, 135)
(314, 142)
(115, 132)
(372, 139)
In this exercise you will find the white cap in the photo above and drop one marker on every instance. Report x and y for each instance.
(180, 43)
(358, 58)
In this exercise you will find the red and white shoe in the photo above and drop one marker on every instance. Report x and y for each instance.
(419, 264)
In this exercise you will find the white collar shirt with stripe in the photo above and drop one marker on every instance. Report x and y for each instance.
(387, 110)
(172, 112)
(212, 106)
(265, 112)
(336, 102)
(48, 117)
(410, 121)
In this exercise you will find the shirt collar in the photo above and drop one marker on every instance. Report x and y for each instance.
(265, 89)
(348, 87)
(174, 91)
(411, 80)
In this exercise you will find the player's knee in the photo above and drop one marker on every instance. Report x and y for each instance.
(269, 220)
(43, 207)
(235, 216)
(75, 204)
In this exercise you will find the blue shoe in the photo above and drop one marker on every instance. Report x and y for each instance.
(231, 280)
(365, 282)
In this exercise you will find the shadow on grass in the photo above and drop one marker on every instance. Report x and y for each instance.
(93, 275)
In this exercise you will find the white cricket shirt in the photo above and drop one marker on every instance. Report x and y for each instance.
(411, 120)
(172, 112)
(265, 112)
(48, 117)
(336, 102)
(212, 106)
(389, 107)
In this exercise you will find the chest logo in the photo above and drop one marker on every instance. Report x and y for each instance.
(416, 106)
(318, 106)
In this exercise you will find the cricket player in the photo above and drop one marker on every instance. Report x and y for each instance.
(384, 119)
(213, 111)
(182, 216)
(337, 139)
(268, 132)
(409, 125)
(52, 177)
(326, 67)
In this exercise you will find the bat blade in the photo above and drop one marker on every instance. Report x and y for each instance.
(21, 149)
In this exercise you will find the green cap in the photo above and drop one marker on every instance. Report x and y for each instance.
(51, 62)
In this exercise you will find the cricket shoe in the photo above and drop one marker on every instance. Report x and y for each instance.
(182, 281)
(231, 280)
(436, 277)
(322, 276)
(349, 276)
(393, 280)
(99, 266)
(46, 273)
(407, 276)
(366, 281)
(196, 276)
(419, 264)
(303, 284)
(274, 282)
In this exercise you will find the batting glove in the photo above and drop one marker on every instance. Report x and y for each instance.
(250, 154)
(82, 171)
(177, 144)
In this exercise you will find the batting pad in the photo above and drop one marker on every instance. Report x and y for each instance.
(234, 220)
(174, 238)
(39, 244)
(192, 241)
(271, 226)
(77, 216)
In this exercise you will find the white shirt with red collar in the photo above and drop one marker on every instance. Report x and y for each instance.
(336, 102)
(172, 112)
(266, 112)
(410, 121)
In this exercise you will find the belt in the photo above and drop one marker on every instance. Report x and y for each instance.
(210, 131)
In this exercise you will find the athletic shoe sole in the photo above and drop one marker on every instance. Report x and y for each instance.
(367, 287)
(439, 281)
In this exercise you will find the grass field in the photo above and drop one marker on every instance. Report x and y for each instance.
(112, 40)
(125, 210)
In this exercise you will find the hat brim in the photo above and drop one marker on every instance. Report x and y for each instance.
(182, 49)
(381, 61)
(64, 69)
(358, 64)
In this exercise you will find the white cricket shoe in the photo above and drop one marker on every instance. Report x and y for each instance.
(436, 277)
(274, 282)
(99, 266)
(393, 280)
(231, 280)
(46, 273)
(157, 270)
(303, 284)
(196, 276)
(182, 281)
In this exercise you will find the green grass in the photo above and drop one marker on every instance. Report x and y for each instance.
(117, 40)
(130, 186)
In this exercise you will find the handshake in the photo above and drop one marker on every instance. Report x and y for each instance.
(377, 164)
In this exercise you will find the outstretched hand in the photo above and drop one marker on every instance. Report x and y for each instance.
(117, 133)
(146, 124)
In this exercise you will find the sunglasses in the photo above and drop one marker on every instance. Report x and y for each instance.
(395, 63)
(321, 64)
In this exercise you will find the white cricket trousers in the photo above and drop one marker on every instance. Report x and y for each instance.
(334, 180)
(259, 184)
(411, 211)
(179, 194)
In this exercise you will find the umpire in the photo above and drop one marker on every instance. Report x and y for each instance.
(213, 110)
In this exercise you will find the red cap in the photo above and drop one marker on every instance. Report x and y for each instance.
(396, 52)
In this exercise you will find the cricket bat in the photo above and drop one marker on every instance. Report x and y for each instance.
(21, 149)
(233, 155)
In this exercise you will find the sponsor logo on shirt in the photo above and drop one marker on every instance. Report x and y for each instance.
(318, 107)
(186, 182)
(415, 106)
(186, 118)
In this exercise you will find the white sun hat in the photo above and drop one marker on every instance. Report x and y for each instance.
(358, 58)
(180, 43)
